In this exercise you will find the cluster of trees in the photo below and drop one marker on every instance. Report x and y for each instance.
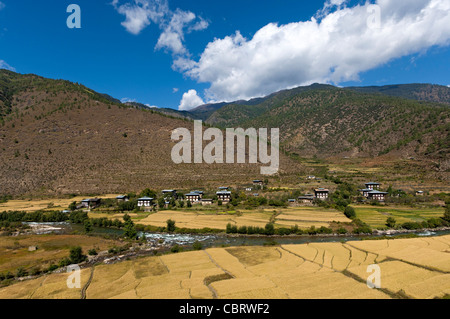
(13, 220)
(360, 226)
(270, 230)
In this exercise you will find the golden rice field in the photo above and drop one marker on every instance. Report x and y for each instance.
(409, 268)
(37, 204)
(303, 217)
(14, 251)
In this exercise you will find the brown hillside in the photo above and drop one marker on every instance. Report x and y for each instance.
(66, 142)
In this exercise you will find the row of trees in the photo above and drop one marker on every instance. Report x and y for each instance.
(269, 230)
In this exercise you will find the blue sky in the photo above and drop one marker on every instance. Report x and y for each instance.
(178, 53)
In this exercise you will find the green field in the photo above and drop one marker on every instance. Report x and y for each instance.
(376, 216)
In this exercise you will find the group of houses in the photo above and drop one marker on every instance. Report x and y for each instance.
(307, 199)
(223, 194)
(149, 202)
(194, 197)
(371, 192)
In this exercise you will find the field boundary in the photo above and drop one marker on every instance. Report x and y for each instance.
(86, 286)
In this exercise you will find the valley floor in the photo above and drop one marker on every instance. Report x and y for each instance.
(409, 268)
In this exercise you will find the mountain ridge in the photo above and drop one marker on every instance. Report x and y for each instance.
(61, 138)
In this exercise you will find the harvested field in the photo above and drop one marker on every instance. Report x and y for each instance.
(303, 217)
(51, 248)
(47, 287)
(48, 204)
(413, 268)
(198, 220)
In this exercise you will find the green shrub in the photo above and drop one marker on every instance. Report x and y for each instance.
(269, 229)
(350, 212)
(411, 225)
(434, 222)
(197, 245)
(242, 230)
(390, 222)
(21, 272)
(176, 248)
(52, 267)
(76, 255)
(283, 231)
(170, 225)
(231, 229)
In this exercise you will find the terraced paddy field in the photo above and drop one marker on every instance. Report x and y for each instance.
(47, 204)
(375, 216)
(303, 217)
(14, 251)
(409, 268)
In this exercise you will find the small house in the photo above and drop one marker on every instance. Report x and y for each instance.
(311, 177)
(193, 197)
(248, 189)
(365, 191)
(224, 196)
(206, 201)
(372, 185)
(377, 195)
(223, 188)
(145, 202)
(419, 193)
(258, 182)
(90, 203)
(307, 199)
(122, 198)
(321, 193)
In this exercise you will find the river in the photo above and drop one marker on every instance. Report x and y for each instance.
(209, 240)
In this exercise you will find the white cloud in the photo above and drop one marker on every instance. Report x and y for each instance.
(329, 48)
(140, 13)
(200, 25)
(174, 24)
(190, 100)
(4, 65)
(127, 100)
(175, 90)
(2, 5)
(173, 35)
(328, 6)
(130, 100)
